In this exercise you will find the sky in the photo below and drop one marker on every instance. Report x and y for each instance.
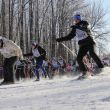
(106, 5)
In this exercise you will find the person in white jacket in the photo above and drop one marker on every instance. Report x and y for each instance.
(11, 52)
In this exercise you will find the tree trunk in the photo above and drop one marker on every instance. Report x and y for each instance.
(21, 26)
(53, 44)
(3, 28)
(37, 37)
(30, 20)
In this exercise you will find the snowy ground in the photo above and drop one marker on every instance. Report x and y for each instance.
(58, 94)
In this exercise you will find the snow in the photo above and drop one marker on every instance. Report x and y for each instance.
(58, 94)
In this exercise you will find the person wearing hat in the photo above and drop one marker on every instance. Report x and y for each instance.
(39, 54)
(11, 52)
(86, 43)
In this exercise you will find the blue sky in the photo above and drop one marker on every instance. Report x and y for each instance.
(106, 5)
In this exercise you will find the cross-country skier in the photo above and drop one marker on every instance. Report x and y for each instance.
(55, 65)
(11, 52)
(39, 54)
(85, 41)
(62, 65)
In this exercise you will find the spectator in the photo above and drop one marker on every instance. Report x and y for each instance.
(11, 52)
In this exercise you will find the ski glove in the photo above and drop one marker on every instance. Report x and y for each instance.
(58, 40)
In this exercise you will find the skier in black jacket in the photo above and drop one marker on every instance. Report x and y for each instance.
(85, 41)
(39, 54)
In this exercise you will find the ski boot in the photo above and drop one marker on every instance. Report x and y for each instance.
(83, 76)
(37, 80)
(98, 71)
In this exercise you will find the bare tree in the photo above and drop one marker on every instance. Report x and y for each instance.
(46, 20)
(95, 14)
(3, 28)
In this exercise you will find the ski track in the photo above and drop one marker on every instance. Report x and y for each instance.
(57, 94)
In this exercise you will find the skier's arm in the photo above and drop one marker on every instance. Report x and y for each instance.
(68, 37)
(28, 54)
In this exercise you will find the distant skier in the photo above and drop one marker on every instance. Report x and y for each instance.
(11, 52)
(62, 65)
(39, 54)
(55, 66)
(47, 66)
(85, 41)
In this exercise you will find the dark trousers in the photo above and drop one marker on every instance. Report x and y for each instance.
(8, 69)
(39, 65)
(20, 73)
(82, 52)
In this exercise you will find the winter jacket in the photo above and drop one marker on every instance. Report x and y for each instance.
(82, 33)
(37, 52)
(10, 49)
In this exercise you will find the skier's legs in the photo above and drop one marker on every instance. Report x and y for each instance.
(5, 69)
(94, 56)
(10, 73)
(44, 72)
(40, 66)
(9, 69)
(12, 61)
(36, 71)
(17, 74)
(47, 72)
(22, 72)
(82, 52)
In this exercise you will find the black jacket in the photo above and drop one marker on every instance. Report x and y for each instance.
(83, 26)
(40, 50)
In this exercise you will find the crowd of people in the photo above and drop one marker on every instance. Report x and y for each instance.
(48, 69)
(25, 69)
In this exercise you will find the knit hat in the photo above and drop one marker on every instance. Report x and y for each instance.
(77, 17)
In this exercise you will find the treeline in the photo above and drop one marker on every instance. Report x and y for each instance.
(24, 21)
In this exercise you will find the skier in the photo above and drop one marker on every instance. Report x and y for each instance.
(85, 41)
(55, 66)
(62, 65)
(11, 52)
(19, 70)
(47, 66)
(39, 54)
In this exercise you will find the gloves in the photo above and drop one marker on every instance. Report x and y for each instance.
(58, 40)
